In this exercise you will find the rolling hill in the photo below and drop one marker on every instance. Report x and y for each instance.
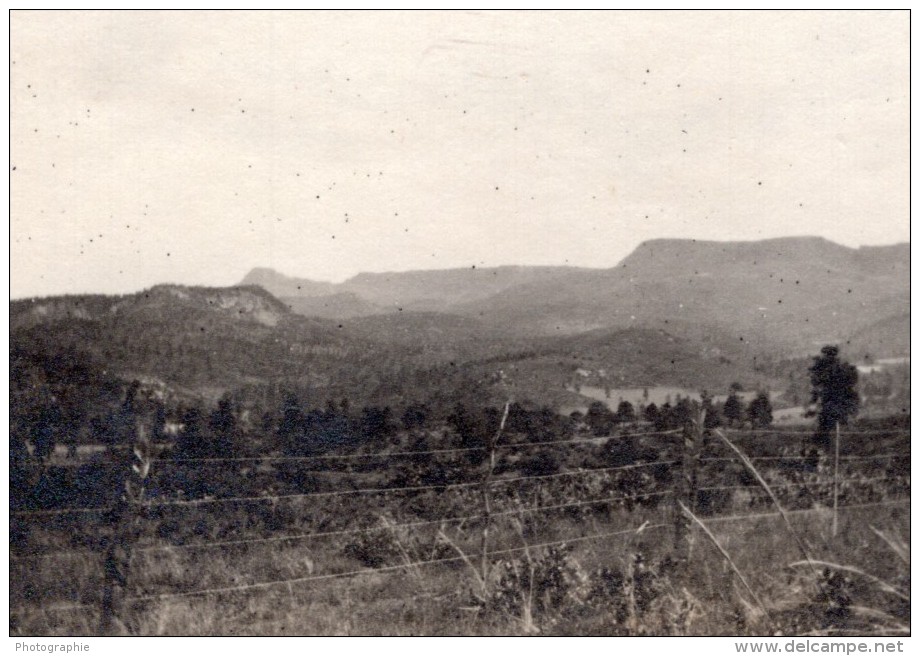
(202, 341)
(786, 295)
(684, 313)
(885, 338)
(789, 294)
(419, 291)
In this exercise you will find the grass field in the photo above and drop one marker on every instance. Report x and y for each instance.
(561, 560)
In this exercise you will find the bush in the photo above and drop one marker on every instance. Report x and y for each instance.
(541, 463)
(539, 587)
(373, 548)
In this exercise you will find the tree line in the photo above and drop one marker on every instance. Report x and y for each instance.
(601, 420)
(59, 410)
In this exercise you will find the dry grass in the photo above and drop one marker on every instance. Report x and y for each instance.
(728, 558)
(436, 600)
(784, 572)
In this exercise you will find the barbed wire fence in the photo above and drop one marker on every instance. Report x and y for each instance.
(683, 492)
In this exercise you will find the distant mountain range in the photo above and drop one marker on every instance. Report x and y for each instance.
(421, 291)
(675, 312)
(792, 294)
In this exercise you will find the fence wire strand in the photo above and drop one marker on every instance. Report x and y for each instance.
(499, 552)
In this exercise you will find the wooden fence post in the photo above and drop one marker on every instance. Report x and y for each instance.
(126, 518)
(686, 486)
(487, 498)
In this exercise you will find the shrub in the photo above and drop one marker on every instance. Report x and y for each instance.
(539, 587)
(541, 463)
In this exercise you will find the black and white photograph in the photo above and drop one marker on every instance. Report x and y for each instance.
(460, 323)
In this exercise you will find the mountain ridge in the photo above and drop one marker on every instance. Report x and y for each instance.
(784, 293)
(706, 311)
(268, 276)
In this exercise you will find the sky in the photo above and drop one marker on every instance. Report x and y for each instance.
(151, 147)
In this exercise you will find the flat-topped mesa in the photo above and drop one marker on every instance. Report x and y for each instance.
(784, 292)
(789, 257)
(694, 250)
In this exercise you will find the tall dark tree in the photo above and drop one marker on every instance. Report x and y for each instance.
(159, 420)
(712, 417)
(415, 416)
(833, 388)
(464, 423)
(130, 404)
(291, 425)
(376, 423)
(599, 418)
(760, 411)
(192, 441)
(223, 425)
(626, 414)
(20, 474)
(732, 410)
(472, 432)
(681, 414)
(664, 416)
(329, 429)
(46, 427)
(520, 420)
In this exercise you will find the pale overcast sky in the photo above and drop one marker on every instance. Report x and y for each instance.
(191, 147)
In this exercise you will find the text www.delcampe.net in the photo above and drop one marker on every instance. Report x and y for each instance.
(819, 646)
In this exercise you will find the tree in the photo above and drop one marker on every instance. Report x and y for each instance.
(192, 440)
(550, 425)
(626, 414)
(833, 388)
(159, 420)
(681, 414)
(732, 409)
(541, 463)
(464, 423)
(376, 423)
(46, 426)
(760, 411)
(519, 419)
(472, 430)
(711, 418)
(291, 425)
(223, 425)
(20, 474)
(415, 416)
(664, 416)
(599, 418)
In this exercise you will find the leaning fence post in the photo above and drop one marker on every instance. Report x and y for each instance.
(126, 518)
(685, 492)
(487, 498)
